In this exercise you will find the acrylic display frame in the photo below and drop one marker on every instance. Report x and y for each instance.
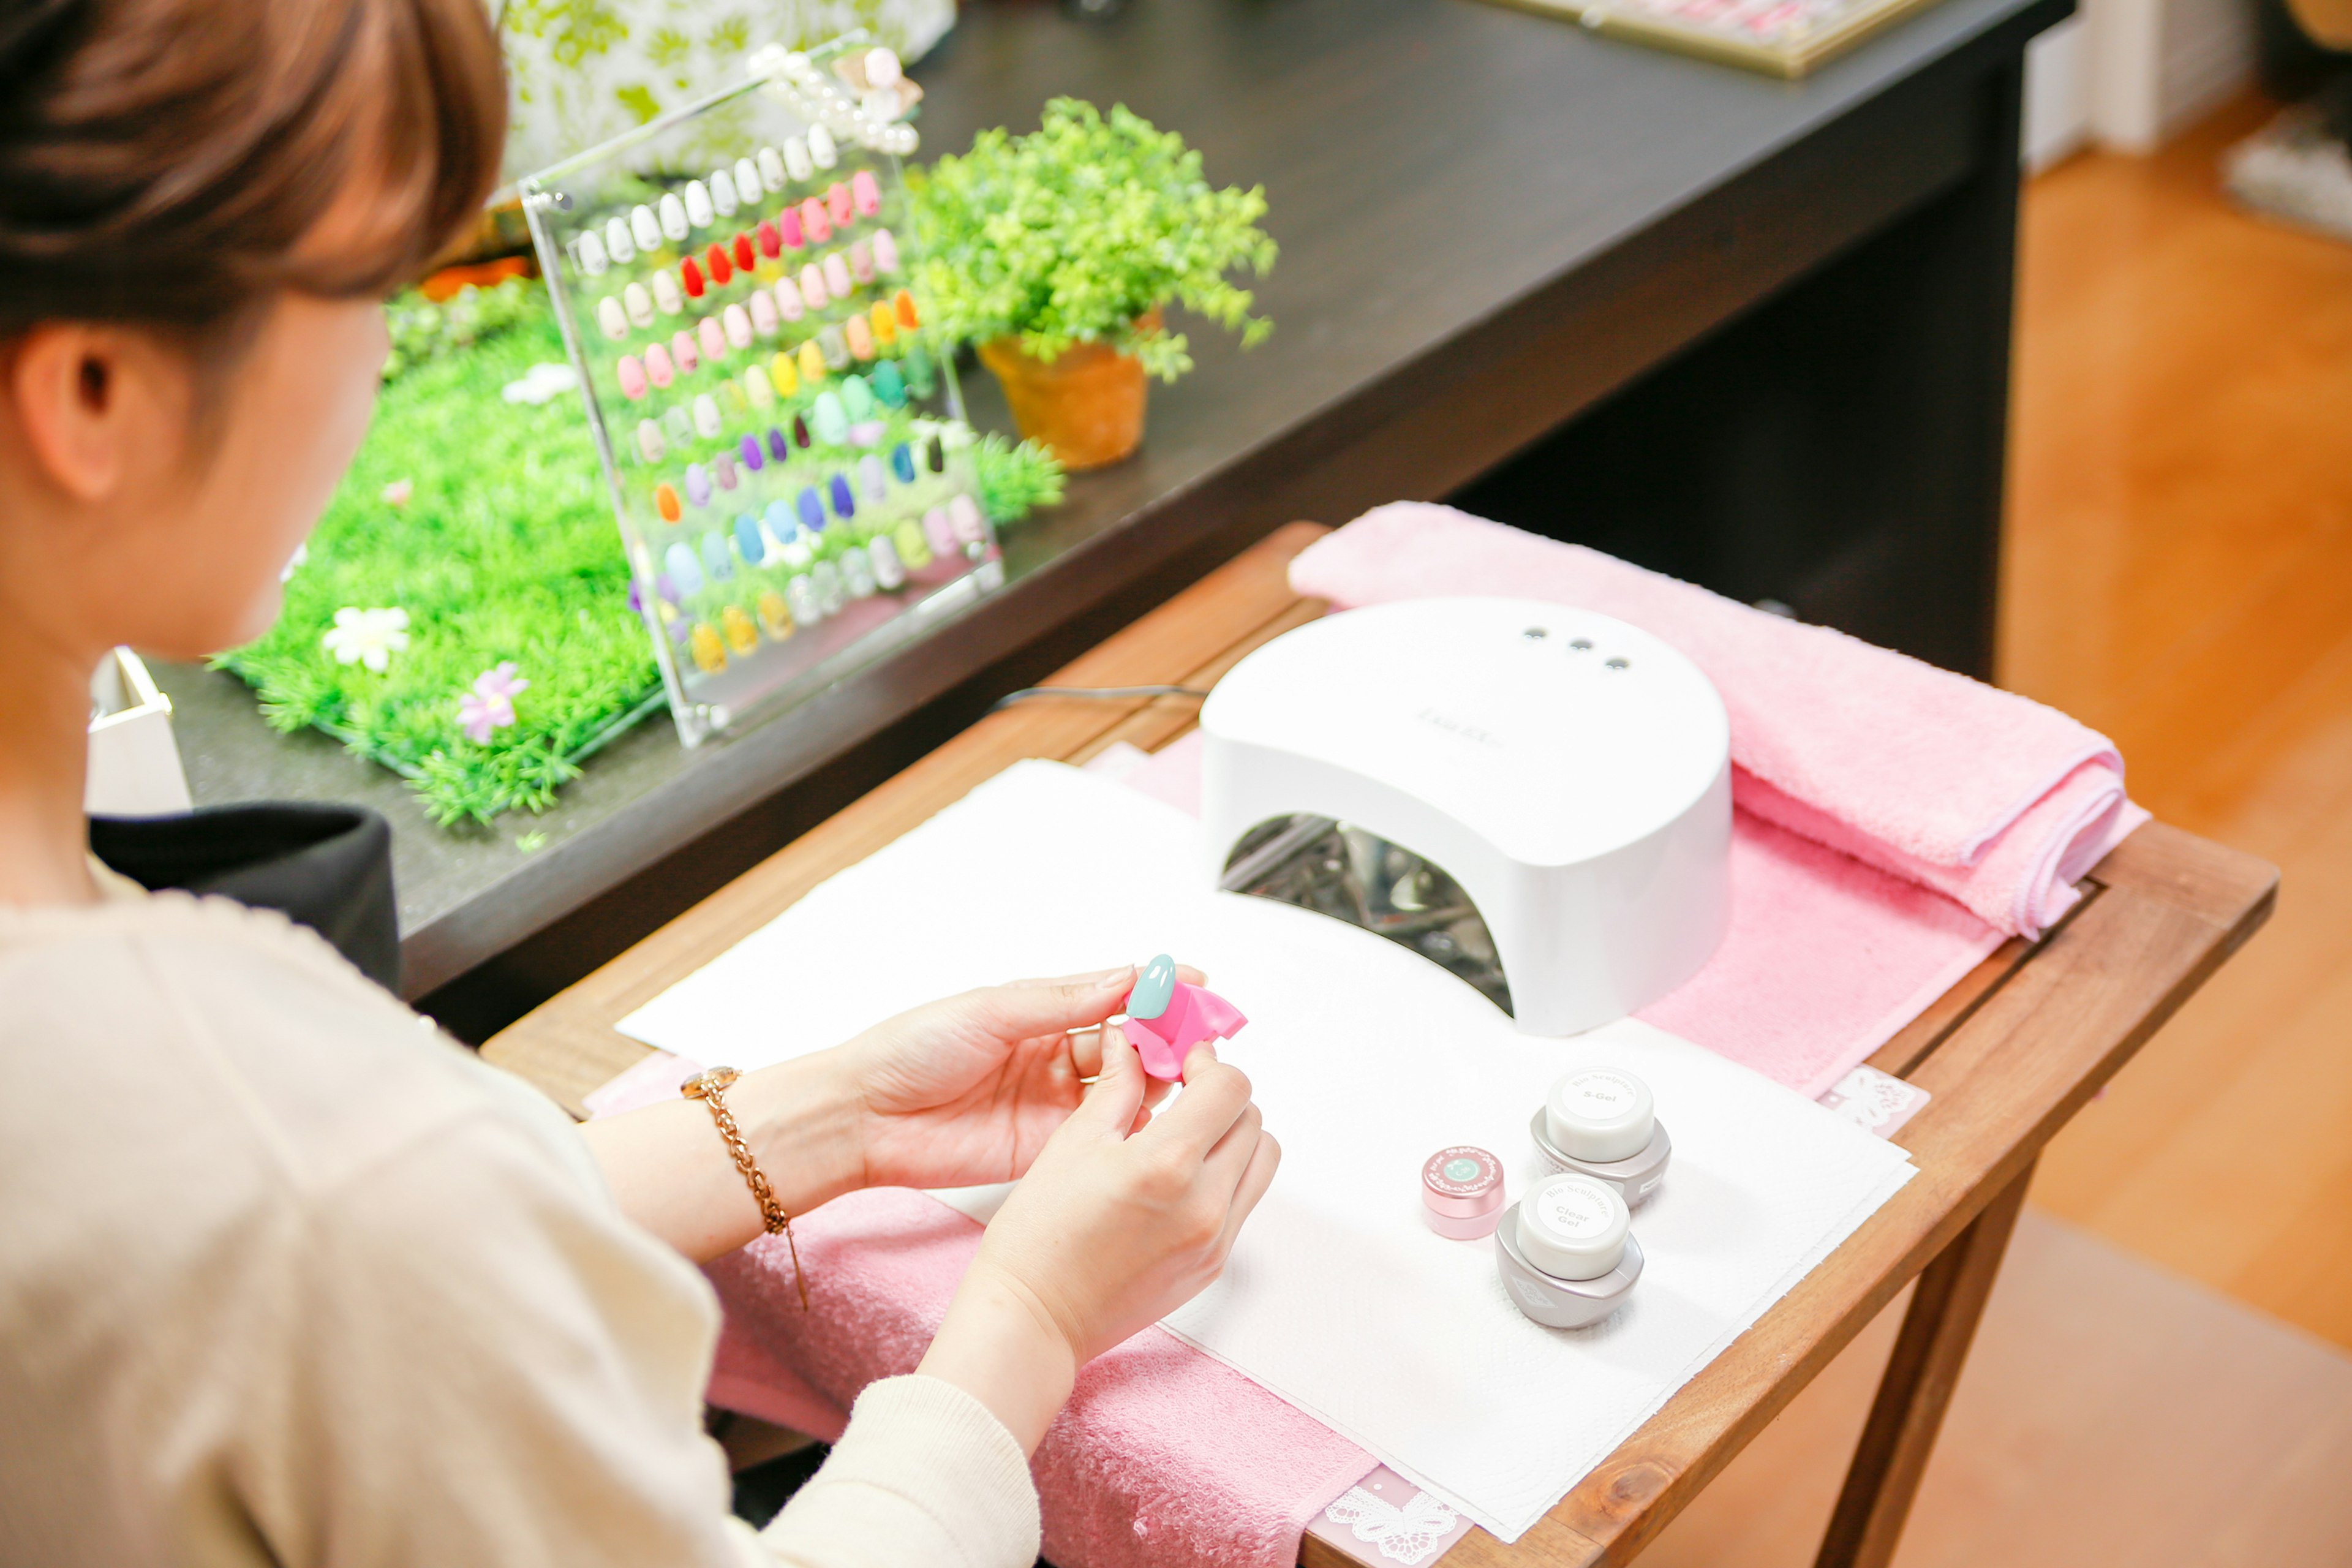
(792, 475)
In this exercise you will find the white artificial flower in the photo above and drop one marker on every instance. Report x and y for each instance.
(367, 636)
(541, 384)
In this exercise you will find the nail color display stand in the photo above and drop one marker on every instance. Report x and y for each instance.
(784, 443)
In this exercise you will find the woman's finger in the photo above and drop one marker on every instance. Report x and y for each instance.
(1086, 1065)
(1048, 1007)
(1091, 977)
(1230, 1156)
(1266, 1157)
(1184, 971)
(1115, 1099)
(1214, 1098)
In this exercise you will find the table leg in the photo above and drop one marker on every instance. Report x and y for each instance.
(1918, 1385)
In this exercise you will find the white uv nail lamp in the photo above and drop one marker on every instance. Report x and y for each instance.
(1537, 798)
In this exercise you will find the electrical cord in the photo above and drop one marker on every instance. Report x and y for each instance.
(1094, 693)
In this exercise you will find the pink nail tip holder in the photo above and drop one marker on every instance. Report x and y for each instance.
(1462, 1192)
(1194, 1014)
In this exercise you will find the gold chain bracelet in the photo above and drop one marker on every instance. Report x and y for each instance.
(707, 1086)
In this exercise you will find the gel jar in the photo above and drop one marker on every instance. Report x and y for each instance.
(1462, 1192)
(1566, 1252)
(1599, 1122)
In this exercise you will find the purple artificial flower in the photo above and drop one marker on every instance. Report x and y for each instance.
(490, 704)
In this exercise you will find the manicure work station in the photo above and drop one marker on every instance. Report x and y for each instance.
(1753, 333)
(1675, 1289)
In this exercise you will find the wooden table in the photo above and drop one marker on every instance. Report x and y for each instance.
(2010, 1055)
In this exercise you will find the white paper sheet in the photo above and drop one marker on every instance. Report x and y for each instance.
(1366, 1058)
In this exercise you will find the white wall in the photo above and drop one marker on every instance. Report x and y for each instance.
(2128, 73)
(2057, 95)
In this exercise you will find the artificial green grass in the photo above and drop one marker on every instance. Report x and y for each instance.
(505, 549)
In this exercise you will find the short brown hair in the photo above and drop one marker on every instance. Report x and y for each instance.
(163, 162)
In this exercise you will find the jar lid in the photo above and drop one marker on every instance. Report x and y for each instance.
(1600, 1114)
(1573, 1227)
(1463, 1181)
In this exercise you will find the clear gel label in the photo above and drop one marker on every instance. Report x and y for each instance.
(1599, 1095)
(1573, 1211)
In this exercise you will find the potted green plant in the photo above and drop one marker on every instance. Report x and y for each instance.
(1054, 253)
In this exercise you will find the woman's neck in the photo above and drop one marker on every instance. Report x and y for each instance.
(44, 754)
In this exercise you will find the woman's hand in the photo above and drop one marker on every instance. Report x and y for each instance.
(1117, 1223)
(951, 1094)
(967, 1090)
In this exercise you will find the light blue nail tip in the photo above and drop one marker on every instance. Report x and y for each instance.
(1154, 989)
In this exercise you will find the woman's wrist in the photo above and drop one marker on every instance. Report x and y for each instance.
(805, 1124)
(1000, 1345)
(669, 1168)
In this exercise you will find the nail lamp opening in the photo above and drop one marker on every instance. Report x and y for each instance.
(1537, 798)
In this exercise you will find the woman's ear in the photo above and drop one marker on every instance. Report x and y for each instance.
(92, 402)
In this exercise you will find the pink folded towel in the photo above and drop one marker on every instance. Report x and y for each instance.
(1990, 798)
(1163, 1458)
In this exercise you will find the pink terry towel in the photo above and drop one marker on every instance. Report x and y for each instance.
(1163, 1458)
(1991, 798)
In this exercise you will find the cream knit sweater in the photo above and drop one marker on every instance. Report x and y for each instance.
(286, 1277)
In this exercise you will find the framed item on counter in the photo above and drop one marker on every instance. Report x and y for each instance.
(1778, 37)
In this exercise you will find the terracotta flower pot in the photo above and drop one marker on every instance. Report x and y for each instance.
(1087, 404)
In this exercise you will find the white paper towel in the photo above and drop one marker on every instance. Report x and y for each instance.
(1366, 1058)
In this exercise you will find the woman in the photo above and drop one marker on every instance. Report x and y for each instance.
(285, 1276)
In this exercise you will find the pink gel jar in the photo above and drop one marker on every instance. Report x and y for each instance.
(1462, 1192)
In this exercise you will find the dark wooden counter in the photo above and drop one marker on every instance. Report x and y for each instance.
(1781, 310)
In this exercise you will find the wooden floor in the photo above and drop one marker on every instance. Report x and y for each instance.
(2180, 576)
(2112, 1413)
